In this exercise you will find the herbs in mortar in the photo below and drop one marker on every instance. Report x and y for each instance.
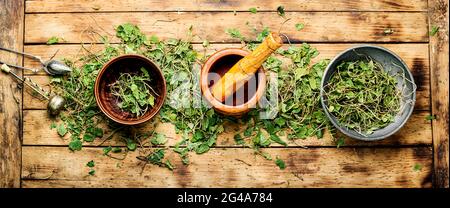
(134, 93)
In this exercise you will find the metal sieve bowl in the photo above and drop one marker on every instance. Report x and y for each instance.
(392, 64)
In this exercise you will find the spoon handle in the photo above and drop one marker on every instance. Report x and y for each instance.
(19, 67)
(22, 53)
(33, 85)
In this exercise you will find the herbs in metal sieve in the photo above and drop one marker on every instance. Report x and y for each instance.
(364, 97)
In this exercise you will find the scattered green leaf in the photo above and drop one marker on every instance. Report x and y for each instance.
(280, 11)
(106, 150)
(253, 10)
(280, 163)
(260, 140)
(205, 43)
(299, 26)
(52, 125)
(158, 139)
(202, 148)
(62, 131)
(98, 132)
(169, 165)
(417, 167)
(55, 80)
(238, 139)
(156, 156)
(88, 138)
(434, 30)
(278, 140)
(264, 33)
(430, 117)
(52, 40)
(92, 172)
(235, 33)
(265, 155)
(340, 142)
(116, 149)
(75, 145)
(91, 164)
(131, 144)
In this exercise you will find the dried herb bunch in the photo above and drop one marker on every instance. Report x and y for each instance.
(199, 124)
(300, 109)
(134, 93)
(363, 96)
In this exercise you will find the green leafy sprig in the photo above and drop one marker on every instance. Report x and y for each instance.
(134, 93)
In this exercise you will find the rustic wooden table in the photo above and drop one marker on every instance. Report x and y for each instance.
(33, 155)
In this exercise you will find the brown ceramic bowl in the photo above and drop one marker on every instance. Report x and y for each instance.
(110, 73)
(244, 98)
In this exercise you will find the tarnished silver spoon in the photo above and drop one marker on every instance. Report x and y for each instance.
(52, 67)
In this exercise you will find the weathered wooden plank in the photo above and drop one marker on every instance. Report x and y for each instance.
(415, 56)
(233, 167)
(319, 26)
(417, 131)
(440, 90)
(218, 5)
(11, 36)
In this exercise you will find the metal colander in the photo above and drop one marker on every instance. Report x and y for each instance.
(391, 63)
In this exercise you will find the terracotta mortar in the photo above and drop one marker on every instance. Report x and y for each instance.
(243, 99)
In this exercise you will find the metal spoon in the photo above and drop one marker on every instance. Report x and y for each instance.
(55, 102)
(51, 66)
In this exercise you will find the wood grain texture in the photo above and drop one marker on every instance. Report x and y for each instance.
(47, 162)
(417, 131)
(319, 26)
(222, 5)
(414, 55)
(329, 167)
(440, 90)
(11, 36)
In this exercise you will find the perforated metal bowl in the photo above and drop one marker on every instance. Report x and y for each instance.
(392, 64)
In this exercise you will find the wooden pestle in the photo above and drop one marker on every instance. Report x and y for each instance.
(245, 68)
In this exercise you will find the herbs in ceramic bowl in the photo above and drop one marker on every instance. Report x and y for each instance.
(133, 92)
(363, 96)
